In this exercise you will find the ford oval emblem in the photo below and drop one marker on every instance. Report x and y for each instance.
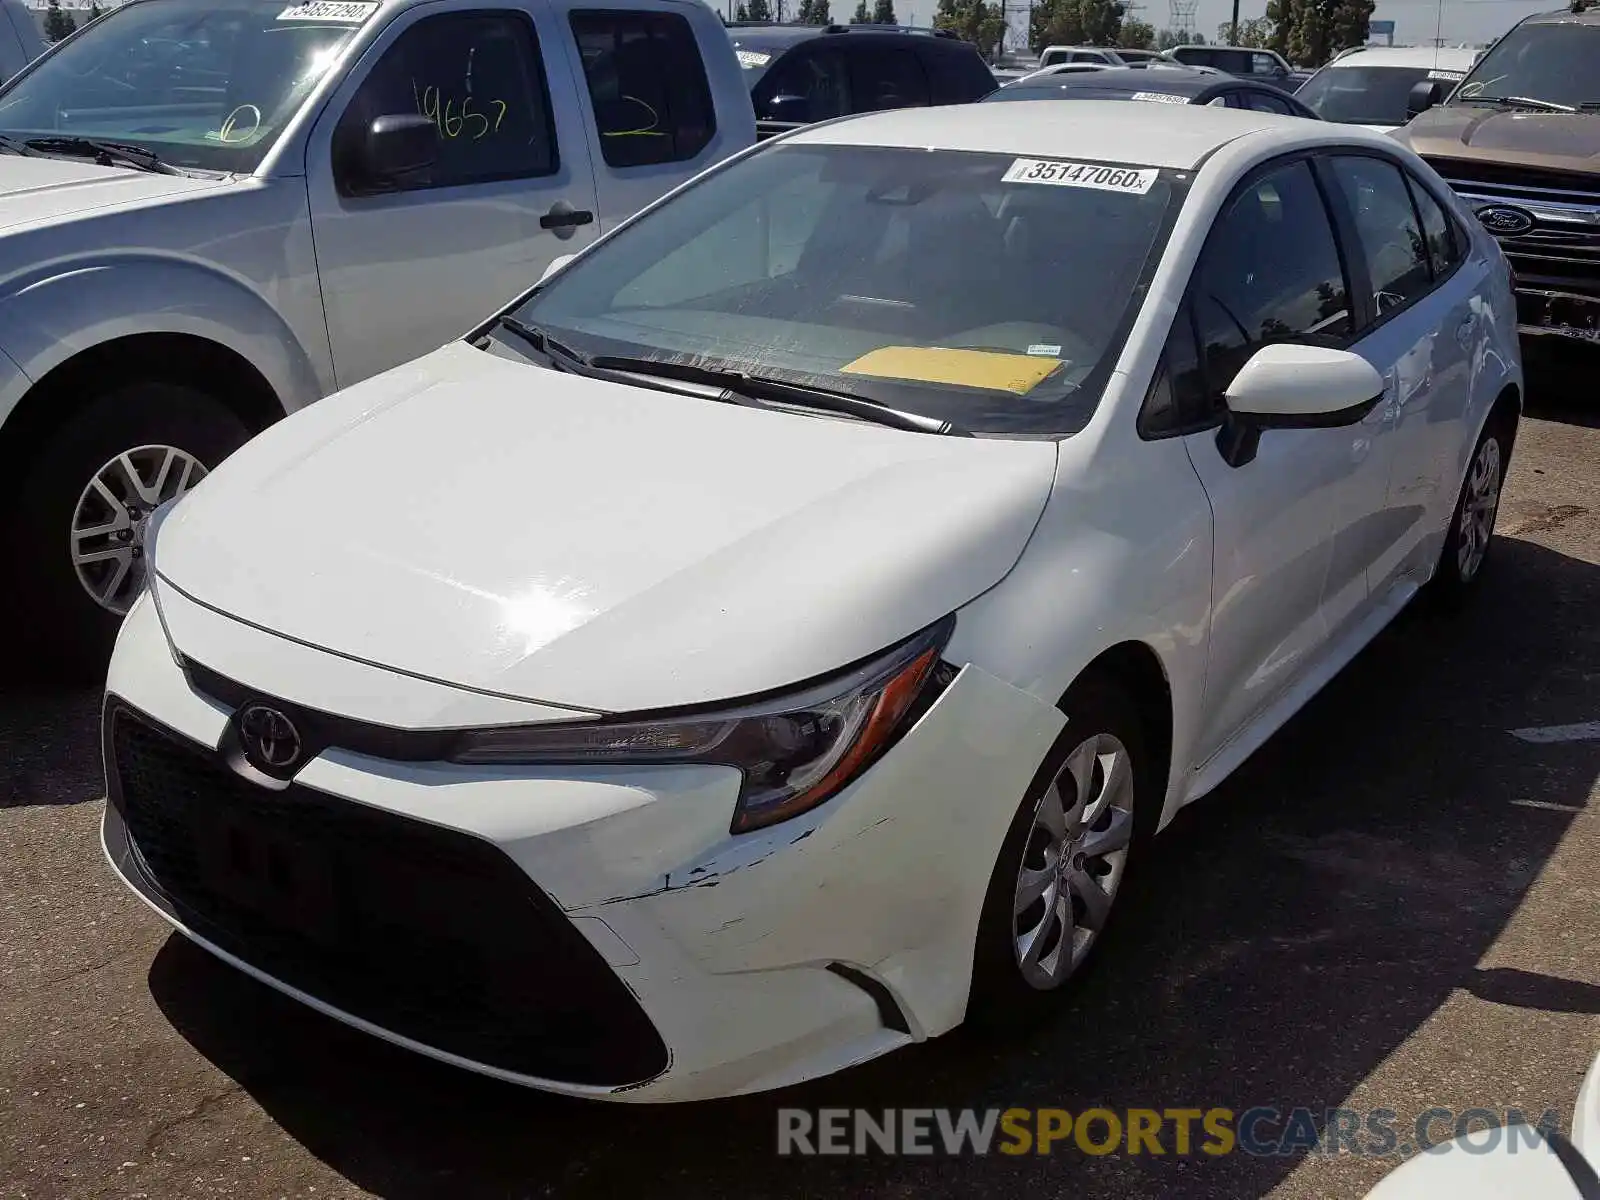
(1504, 221)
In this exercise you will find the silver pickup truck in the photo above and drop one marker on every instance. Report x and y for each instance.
(213, 212)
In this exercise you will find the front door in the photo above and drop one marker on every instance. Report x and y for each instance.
(407, 266)
(1271, 271)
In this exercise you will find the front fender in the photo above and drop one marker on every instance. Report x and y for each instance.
(50, 315)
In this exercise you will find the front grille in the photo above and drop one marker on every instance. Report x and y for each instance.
(426, 932)
(1518, 183)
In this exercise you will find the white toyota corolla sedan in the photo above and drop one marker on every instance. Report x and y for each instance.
(775, 638)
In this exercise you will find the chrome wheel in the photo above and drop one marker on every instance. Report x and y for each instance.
(1073, 861)
(109, 521)
(1479, 503)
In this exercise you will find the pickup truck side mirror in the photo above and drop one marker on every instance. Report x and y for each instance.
(1425, 93)
(794, 110)
(399, 149)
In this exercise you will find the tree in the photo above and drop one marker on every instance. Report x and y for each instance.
(1255, 32)
(976, 21)
(94, 12)
(861, 16)
(1310, 32)
(753, 10)
(1075, 23)
(814, 12)
(1137, 35)
(57, 23)
(883, 13)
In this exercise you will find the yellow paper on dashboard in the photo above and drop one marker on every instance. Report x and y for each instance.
(990, 369)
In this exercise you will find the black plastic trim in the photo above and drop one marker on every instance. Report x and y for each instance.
(889, 1011)
(1579, 1169)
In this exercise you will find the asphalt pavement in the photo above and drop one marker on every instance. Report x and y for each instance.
(1395, 904)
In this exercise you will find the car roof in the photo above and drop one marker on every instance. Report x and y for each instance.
(1564, 16)
(1173, 81)
(1094, 130)
(1441, 58)
(776, 37)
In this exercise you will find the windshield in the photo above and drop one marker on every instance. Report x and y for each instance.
(201, 83)
(1555, 63)
(981, 289)
(1367, 95)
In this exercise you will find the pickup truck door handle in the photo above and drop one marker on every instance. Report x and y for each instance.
(563, 216)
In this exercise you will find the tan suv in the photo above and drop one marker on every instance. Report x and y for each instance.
(1519, 141)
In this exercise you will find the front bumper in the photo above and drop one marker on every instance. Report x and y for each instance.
(1543, 312)
(597, 933)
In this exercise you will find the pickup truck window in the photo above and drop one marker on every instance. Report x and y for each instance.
(885, 78)
(200, 84)
(479, 77)
(647, 83)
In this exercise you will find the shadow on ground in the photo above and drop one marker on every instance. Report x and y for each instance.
(1309, 916)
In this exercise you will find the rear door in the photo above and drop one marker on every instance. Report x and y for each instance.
(652, 119)
(405, 269)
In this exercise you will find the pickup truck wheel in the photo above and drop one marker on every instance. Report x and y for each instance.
(78, 537)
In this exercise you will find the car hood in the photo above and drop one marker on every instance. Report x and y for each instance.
(41, 189)
(1471, 132)
(535, 534)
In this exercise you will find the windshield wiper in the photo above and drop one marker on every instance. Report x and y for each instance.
(1518, 102)
(765, 388)
(12, 146)
(738, 383)
(107, 154)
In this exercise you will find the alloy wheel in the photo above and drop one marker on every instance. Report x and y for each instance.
(1073, 861)
(1478, 508)
(108, 524)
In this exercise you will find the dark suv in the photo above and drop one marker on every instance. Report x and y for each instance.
(798, 74)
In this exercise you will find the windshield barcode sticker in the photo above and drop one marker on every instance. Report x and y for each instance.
(1160, 98)
(1084, 175)
(752, 58)
(330, 10)
(1448, 76)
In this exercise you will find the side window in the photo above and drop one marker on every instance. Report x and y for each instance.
(883, 78)
(647, 84)
(479, 77)
(1445, 248)
(1264, 101)
(815, 77)
(1263, 64)
(1052, 57)
(1178, 400)
(1083, 56)
(1270, 272)
(1234, 62)
(957, 74)
(1391, 241)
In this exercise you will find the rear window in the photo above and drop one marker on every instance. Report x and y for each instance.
(984, 289)
(648, 86)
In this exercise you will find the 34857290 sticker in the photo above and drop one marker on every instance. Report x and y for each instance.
(344, 11)
(1134, 180)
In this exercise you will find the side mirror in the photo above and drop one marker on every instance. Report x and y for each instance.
(1424, 95)
(555, 265)
(791, 110)
(1285, 386)
(400, 149)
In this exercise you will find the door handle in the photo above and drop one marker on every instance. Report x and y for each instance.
(563, 216)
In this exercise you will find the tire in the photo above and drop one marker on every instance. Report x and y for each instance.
(1005, 994)
(1467, 543)
(64, 634)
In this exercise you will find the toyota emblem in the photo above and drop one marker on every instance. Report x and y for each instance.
(1504, 221)
(269, 739)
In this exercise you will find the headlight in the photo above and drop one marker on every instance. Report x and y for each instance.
(795, 750)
